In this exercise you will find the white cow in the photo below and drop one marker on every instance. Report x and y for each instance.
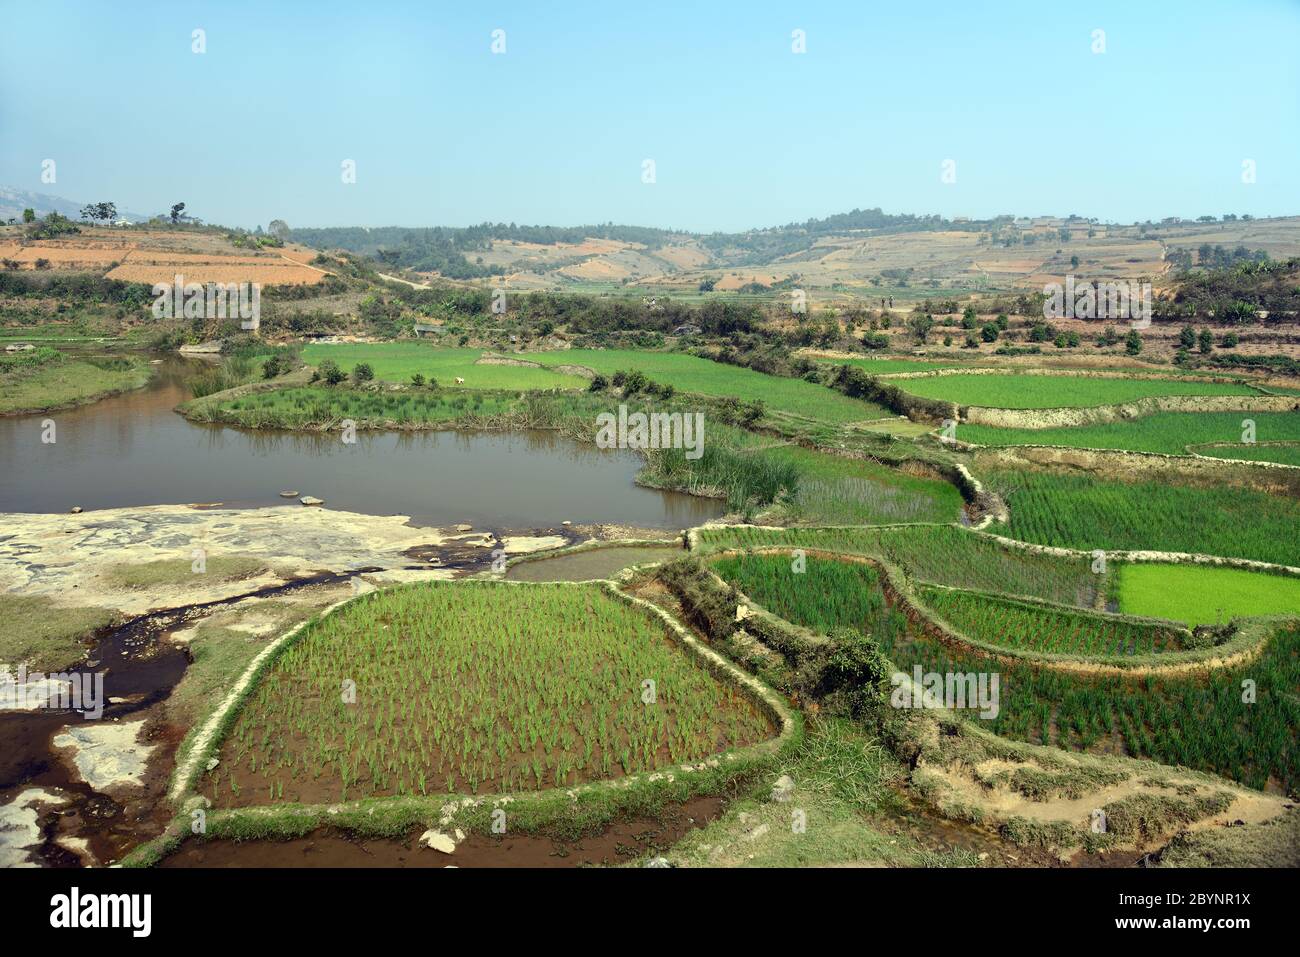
(459, 380)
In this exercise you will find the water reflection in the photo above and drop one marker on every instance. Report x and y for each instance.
(134, 450)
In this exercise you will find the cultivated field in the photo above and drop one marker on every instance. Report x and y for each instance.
(1200, 595)
(398, 361)
(1022, 625)
(475, 688)
(1199, 721)
(942, 554)
(692, 374)
(1173, 433)
(1078, 511)
(1055, 392)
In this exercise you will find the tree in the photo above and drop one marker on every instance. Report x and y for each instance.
(278, 228)
(361, 372)
(968, 318)
(29, 215)
(989, 333)
(1206, 340)
(1187, 338)
(921, 326)
(177, 211)
(99, 211)
(1133, 342)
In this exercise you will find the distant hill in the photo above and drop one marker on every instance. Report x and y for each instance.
(13, 201)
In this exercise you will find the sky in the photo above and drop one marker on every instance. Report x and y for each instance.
(1013, 101)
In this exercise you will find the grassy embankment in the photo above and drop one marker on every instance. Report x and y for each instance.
(43, 635)
(45, 380)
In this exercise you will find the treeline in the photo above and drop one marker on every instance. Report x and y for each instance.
(763, 245)
(583, 315)
(451, 251)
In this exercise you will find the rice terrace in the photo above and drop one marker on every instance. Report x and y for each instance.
(682, 539)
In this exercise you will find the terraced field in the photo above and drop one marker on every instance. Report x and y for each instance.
(1200, 594)
(475, 687)
(1168, 432)
(1055, 392)
(1022, 625)
(1078, 511)
(941, 554)
(1198, 721)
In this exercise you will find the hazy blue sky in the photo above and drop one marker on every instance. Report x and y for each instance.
(743, 132)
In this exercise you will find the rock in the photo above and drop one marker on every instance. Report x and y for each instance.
(213, 762)
(758, 832)
(463, 528)
(566, 522)
(76, 510)
(289, 494)
(742, 612)
(658, 862)
(783, 788)
(438, 841)
(107, 755)
(311, 500)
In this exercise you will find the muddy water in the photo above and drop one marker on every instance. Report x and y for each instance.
(140, 666)
(616, 844)
(135, 450)
(594, 563)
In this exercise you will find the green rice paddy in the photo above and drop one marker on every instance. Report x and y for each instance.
(1204, 594)
(475, 687)
(1055, 392)
(1167, 432)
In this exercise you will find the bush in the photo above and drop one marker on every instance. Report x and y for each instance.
(855, 674)
(329, 371)
(362, 372)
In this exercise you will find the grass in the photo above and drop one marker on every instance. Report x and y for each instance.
(1078, 511)
(1197, 721)
(398, 361)
(1167, 432)
(1200, 594)
(834, 490)
(1054, 392)
(703, 376)
(180, 571)
(1023, 625)
(43, 635)
(475, 686)
(45, 380)
(942, 554)
(844, 783)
